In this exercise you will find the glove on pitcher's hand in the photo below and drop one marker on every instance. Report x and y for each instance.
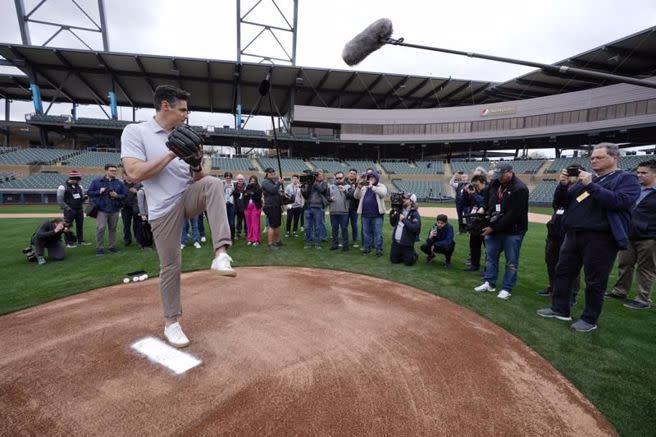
(187, 145)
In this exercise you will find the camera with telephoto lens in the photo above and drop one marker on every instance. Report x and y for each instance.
(396, 200)
(29, 254)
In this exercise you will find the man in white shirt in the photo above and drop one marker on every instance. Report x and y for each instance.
(175, 193)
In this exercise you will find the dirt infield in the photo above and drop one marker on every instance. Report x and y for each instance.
(425, 212)
(285, 351)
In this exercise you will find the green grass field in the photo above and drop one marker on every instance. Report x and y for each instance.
(615, 366)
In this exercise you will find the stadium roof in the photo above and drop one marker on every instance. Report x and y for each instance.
(633, 56)
(86, 76)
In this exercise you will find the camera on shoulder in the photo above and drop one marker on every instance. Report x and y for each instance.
(307, 178)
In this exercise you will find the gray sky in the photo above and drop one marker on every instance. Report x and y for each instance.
(537, 31)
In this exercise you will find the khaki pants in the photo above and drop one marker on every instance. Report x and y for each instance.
(643, 254)
(203, 195)
(106, 220)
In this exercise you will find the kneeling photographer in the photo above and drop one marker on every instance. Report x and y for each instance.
(477, 219)
(406, 222)
(48, 236)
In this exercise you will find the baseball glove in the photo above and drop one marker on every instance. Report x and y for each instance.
(187, 145)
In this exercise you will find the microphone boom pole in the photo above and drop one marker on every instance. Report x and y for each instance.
(561, 70)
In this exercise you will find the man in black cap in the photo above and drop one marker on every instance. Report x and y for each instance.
(507, 204)
(271, 188)
(70, 196)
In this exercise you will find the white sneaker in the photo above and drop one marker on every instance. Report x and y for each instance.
(221, 265)
(175, 336)
(197, 245)
(484, 288)
(182, 246)
(504, 294)
(203, 239)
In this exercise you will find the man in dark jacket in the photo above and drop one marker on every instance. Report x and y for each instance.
(555, 234)
(272, 187)
(596, 225)
(107, 192)
(440, 240)
(316, 199)
(476, 193)
(642, 243)
(507, 204)
(48, 236)
(406, 225)
(70, 196)
(130, 212)
(352, 181)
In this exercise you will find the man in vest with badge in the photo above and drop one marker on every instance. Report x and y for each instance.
(70, 196)
(596, 225)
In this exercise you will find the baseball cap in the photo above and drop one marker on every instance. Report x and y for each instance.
(500, 169)
(411, 196)
(74, 174)
(269, 170)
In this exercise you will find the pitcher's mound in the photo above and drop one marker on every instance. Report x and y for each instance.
(285, 352)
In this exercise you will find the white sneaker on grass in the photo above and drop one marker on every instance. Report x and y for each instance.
(504, 294)
(175, 336)
(203, 239)
(485, 287)
(182, 246)
(197, 245)
(221, 265)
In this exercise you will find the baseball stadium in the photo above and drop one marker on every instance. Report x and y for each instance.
(297, 337)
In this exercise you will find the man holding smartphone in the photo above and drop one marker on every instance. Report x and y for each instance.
(596, 225)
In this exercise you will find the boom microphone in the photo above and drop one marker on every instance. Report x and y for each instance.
(367, 41)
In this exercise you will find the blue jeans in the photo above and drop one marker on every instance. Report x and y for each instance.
(372, 230)
(337, 222)
(509, 244)
(313, 219)
(230, 211)
(323, 233)
(353, 219)
(194, 231)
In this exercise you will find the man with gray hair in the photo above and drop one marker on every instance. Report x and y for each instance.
(596, 225)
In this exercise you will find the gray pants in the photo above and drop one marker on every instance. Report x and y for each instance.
(203, 195)
(643, 254)
(55, 249)
(103, 221)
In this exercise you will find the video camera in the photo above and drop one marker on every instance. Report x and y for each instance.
(307, 178)
(396, 199)
(573, 171)
(476, 222)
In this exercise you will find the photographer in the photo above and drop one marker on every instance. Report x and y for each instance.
(48, 236)
(352, 180)
(459, 181)
(371, 208)
(272, 185)
(315, 191)
(70, 196)
(555, 234)
(130, 212)
(507, 204)
(107, 193)
(477, 219)
(440, 240)
(596, 224)
(406, 226)
(339, 211)
(295, 209)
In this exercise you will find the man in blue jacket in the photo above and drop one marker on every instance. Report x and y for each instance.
(641, 252)
(596, 226)
(440, 240)
(107, 192)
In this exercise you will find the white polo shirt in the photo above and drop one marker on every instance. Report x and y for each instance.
(147, 142)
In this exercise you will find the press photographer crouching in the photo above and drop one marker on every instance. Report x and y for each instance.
(406, 222)
(48, 236)
(477, 219)
(440, 240)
